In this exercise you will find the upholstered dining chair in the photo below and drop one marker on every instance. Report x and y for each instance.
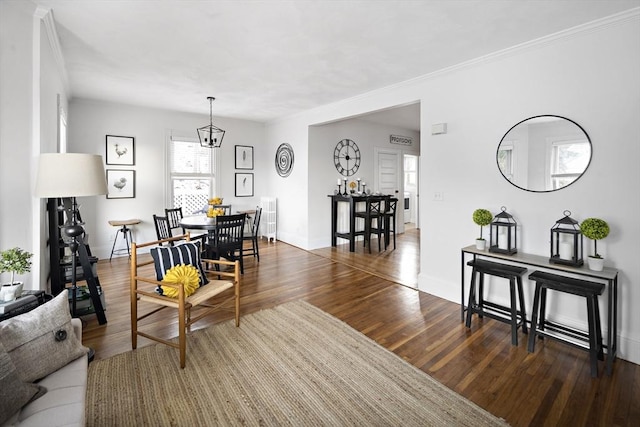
(175, 277)
(226, 240)
(253, 236)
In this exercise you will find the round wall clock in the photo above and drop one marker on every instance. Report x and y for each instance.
(284, 159)
(346, 157)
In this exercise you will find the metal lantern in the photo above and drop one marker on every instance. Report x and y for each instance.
(566, 242)
(504, 233)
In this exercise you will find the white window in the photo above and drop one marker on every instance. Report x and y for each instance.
(192, 177)
(568, 160)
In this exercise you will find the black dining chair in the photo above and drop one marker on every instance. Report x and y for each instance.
(163, 231)
(174, 215)
(253, 236)
(373, 212)
(226, 240)
(389, 221)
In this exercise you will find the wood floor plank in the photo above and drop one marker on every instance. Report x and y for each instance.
(375, 294)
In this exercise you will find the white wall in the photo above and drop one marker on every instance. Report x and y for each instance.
(589, 76)
(89, 123)
(30, 81)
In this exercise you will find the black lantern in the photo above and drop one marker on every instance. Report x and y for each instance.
(566, 242)
(504, 233)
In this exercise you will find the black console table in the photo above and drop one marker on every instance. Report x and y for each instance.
(608, 275)
(353, 200)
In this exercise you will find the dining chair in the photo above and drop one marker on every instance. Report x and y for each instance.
(174, 215)
(163, 231)
(373, 212)
(226, 240)
(253, 237)
(226, 209)
(389, 221)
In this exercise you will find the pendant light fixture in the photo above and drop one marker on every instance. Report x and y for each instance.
(210, 135)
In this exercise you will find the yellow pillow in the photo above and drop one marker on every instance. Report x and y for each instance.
(185, 274)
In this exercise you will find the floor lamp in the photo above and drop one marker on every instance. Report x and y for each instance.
(71, 175)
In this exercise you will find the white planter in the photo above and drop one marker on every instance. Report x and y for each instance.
(481, 244)
(595, 264)
(10, 291)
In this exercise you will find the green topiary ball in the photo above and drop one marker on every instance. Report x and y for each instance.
(482, 217)
(594, 228)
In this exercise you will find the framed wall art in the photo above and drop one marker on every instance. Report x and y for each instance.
(244, 184)
(120, 150)
(121, 184)
(244, 157)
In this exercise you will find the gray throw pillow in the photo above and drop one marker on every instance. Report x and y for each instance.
(41, 341)
(14, 393)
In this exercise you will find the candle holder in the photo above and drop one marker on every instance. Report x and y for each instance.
(338, 190)
(364, 188)
(504, 233)
(345, 187)
(358, 185)
(566, 242)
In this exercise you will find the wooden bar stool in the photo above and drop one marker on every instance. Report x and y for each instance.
(543, 328)
(126, 233)
(511, 314)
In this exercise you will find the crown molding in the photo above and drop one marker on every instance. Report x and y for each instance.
(46, 17)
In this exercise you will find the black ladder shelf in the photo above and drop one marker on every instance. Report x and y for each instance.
(58, 273)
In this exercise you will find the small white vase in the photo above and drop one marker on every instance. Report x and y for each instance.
(595, 264)
(481, 244)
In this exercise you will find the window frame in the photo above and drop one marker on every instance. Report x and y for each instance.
(211, 176)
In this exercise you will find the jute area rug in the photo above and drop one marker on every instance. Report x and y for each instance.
(290, 365)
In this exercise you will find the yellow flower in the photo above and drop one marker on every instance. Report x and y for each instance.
(212, 213)
(215, 201)
(352, 184)
(185, 274)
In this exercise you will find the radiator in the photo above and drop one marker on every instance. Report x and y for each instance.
(268, 218)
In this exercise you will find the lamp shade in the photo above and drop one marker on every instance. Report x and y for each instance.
(70, 175)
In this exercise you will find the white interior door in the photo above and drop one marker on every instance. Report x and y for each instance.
(389, 179)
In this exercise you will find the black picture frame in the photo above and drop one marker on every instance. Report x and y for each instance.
(244, 157)
(244, 185)
(120, 150)
(121, 184)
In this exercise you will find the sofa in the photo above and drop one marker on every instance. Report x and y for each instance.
(55, 349)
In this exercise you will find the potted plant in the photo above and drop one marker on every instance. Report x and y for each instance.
(14, 261)
(482, 217)
(595, 229)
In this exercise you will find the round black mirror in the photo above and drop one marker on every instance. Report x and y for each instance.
(544, 153)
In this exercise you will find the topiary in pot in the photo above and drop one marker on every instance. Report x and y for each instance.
(15, 260)
(481, 217)
(595, 229)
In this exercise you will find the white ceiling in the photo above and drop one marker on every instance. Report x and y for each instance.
(267, 59)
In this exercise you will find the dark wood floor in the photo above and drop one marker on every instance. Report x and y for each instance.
(551, 387)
